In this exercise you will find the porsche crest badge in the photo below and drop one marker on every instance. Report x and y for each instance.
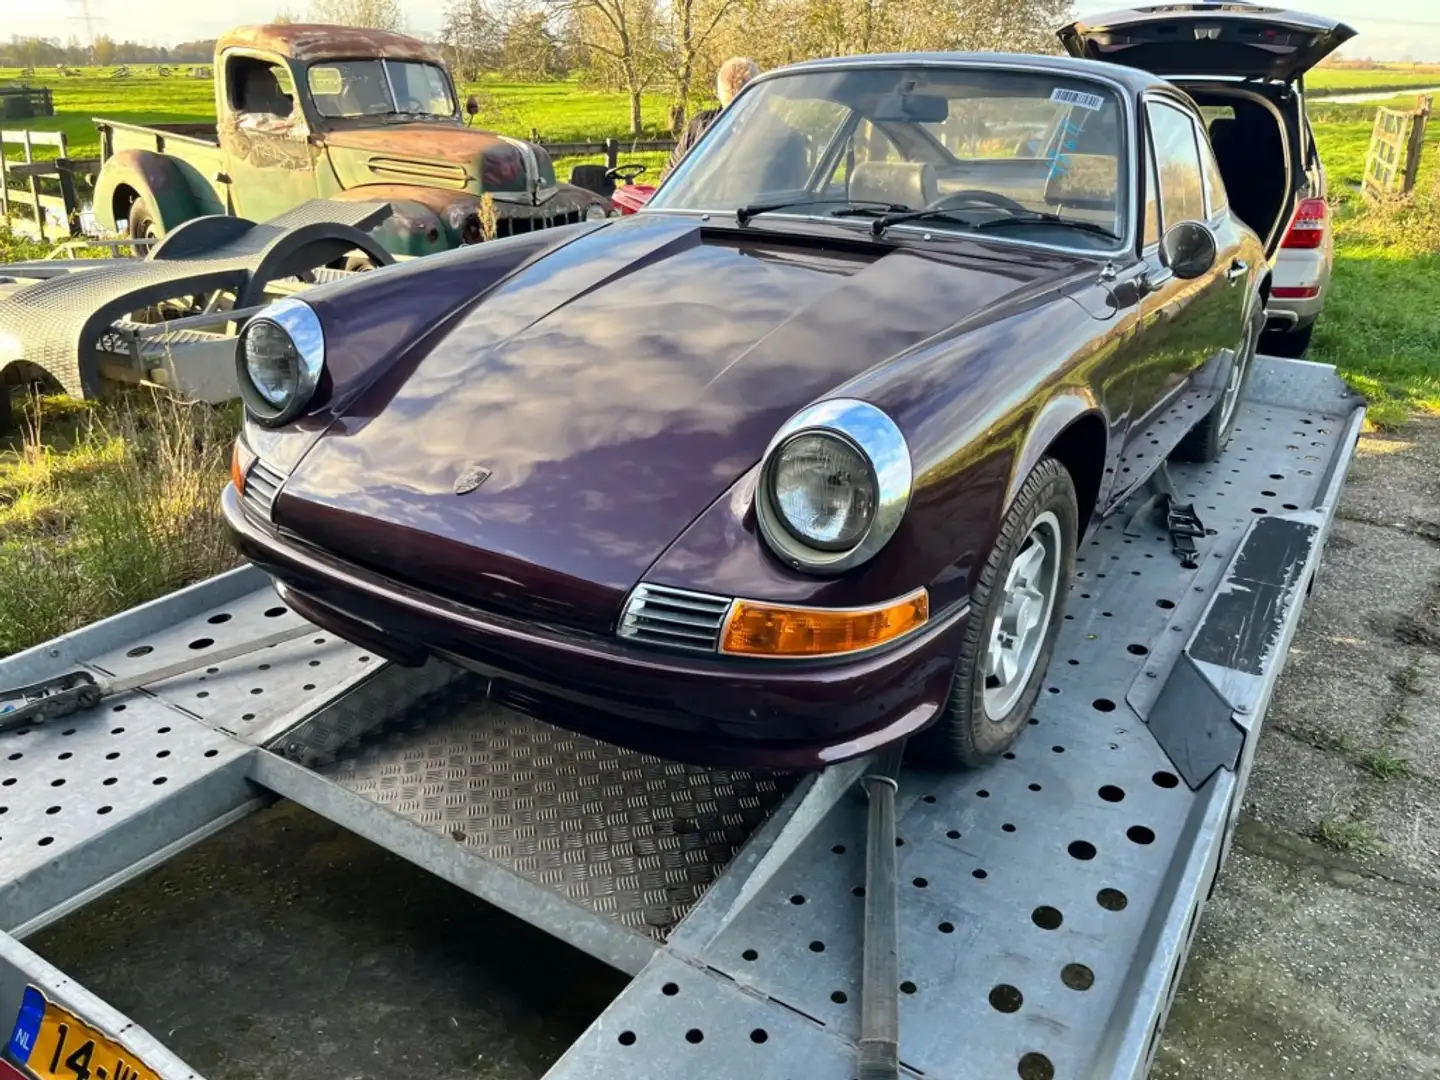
(471, 479)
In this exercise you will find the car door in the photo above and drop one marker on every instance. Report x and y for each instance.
(269, 157)
(1186, 324)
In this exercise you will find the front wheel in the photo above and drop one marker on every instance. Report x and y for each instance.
(1015, 615)
(143, 226)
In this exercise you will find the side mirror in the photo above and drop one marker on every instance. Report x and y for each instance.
(1189, 250)
(472, 105)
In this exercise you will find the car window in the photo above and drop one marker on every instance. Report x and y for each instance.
(1032, 147)
(1215, 196)
(1152, 200)
(1182, 194)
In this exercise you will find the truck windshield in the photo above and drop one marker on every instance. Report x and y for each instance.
(353, 88)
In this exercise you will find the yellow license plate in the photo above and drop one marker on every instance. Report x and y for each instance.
(52, 1043)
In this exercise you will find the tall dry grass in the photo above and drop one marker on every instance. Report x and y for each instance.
(103, 508)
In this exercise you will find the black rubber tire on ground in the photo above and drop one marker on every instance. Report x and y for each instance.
(142, 223)
(7, 414)
(965, 735)
(1290, 344)
(1207, 440)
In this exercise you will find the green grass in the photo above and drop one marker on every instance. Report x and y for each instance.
(1347, 834)
(105, 507)
(1381, 323)
(1383, 763)
(1397, 76)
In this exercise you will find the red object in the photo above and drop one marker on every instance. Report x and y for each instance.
(10, 1072)
(631, 197)
(1294, 292)
(1307, 227)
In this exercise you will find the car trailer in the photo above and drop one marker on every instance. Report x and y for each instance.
(1030, 919)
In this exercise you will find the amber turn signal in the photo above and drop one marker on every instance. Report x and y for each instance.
(237, 469)
(755, 629)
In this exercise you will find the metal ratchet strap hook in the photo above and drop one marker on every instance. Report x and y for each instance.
(880, 978)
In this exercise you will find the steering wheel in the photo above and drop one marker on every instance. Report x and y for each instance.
(629, 173)
(971, 195)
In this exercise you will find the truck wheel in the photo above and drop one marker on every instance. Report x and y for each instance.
(143, 225)
(1015, 615)
(7, 416)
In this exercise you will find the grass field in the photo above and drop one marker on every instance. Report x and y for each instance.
(1331, 80)
(104, 507)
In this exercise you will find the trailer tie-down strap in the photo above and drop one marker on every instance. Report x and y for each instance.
(880, 976)
(1181, 521)
(75, 691)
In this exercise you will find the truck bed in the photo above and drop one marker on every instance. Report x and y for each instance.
(149, 135)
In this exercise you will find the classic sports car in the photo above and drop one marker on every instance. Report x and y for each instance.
(793, 462)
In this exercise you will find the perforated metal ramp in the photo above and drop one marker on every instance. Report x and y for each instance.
(1047, 903)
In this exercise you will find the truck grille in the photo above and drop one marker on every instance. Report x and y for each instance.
(674, 618)
(262, 485)
(514, 226)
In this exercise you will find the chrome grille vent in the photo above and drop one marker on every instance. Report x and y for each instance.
(262, 484)
(674, 618)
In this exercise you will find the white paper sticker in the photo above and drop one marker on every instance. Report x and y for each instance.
(1093, 102)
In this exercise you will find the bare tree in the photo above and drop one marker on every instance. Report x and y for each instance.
(530, 51)
(471, 39)
(693, 24)
(618, 35)
(377, 14)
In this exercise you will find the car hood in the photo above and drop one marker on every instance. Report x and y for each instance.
(435, 155)
(1233, 39)
(607, 394)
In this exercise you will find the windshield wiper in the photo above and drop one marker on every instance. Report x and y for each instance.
(880, 224)
(745, 213)
(1035, 216)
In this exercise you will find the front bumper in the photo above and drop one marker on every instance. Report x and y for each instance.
(714, 711)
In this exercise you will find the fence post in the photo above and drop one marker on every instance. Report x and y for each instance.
(34, 189)
(1416, 145)
(4, 182)
(612, 153)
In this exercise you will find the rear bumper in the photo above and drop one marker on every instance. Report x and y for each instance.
(707, 710)
(1307, 270)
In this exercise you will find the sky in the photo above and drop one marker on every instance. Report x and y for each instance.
(1388, 29)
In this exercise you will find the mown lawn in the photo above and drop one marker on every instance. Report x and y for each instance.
(1397, 76)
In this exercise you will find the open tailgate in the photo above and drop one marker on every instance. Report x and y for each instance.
(1230, 39)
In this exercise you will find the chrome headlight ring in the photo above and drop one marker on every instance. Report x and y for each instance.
(297, 322)
(868, 430)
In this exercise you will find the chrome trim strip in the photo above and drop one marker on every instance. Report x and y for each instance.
(672, 618)
(881, 441)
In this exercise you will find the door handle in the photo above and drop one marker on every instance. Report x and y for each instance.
(1237, 270)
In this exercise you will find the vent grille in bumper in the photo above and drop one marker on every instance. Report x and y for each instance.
(262, 485)
(674, 618)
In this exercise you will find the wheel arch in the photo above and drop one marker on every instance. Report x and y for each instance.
(143, 174)
(1072, 429)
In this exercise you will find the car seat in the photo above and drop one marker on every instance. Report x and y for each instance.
(905, 183)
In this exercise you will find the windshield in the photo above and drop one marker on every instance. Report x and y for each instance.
(351, 88)
(973, 144)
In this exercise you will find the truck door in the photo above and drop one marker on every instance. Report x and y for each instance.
(269, 159)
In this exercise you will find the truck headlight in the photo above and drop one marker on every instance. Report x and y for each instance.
(279, 358)
(595, 212)
(834, 485)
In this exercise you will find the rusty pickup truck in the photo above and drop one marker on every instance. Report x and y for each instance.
(317, 111)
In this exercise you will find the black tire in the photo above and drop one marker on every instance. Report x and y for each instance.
(1207, 440)
(965, 735)
(1290, 344)
(7, 414)
(143, 223)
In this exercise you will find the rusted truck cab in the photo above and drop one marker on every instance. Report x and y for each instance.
(318, 111)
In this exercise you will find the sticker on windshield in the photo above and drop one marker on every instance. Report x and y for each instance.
(1093, 102)
(325, 81)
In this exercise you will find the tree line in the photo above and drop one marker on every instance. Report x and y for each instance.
(37, 52)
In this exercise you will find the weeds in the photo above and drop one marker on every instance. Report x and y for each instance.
(123, 515)
(1347, 834)
(1383, 763)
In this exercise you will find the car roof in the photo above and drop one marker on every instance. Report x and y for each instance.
(1132, 79)
(320, 41)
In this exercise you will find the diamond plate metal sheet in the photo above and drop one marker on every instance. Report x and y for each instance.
(625, 835)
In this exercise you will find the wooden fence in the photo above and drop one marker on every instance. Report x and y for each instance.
(42, 201)
(611, 148)
(1396, 144)
(25, 102)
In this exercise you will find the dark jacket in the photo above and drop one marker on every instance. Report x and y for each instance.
(690, 136)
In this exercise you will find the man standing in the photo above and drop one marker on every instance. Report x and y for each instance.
(733, 74)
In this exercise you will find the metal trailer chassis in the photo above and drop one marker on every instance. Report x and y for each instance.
(1046, 904)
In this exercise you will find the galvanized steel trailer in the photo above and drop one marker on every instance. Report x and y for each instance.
(1046, 904)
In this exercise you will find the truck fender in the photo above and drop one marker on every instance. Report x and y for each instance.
(412, 227)
(1071, 427)
(143, 174)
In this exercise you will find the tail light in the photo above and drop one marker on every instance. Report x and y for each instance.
(1307, 227)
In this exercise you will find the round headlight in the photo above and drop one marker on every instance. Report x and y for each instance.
(824, 489)
(595, 212)
(271, 361)
(834, 486)
(279, 360)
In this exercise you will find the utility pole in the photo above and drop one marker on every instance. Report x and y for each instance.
(88, 18)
